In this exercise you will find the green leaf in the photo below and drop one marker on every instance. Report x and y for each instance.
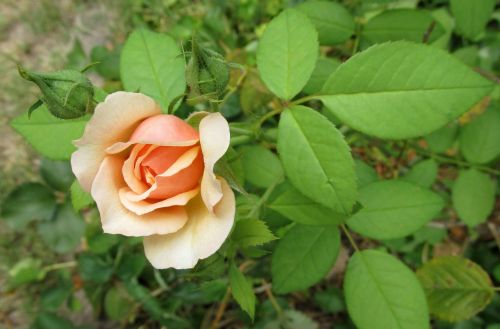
(456, 288)
(479, 140)
(441, 140)
(324, 68)
(118, 304)
(108, 62)
(442, 16)
(471, 16)
(316, 158)
(251, 232)
(54, 296)
(469, 55)
(50, 136)
(57, 174)
(51, 321)
(242, 290)
(473, 196)
(93, 268)
(381, 293)
(402, 24)
(394, 209)
(30, 201)
(365, 173)
(423, 173)
(101, 243)
(303, 257)
(79, 198)
(292, 319)
(152, 306)
(63, 233)
(26, 271)
(332, 21)
(261, 166)
(131, 266)
(152, 64)
(412, 89)
(330, 300)
(299, 208)
(287, 53)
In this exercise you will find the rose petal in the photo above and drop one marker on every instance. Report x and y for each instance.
(161, 158)
(202, 236)
(214, 141)
(186, 179)
(116, 219)
(114, 120)
(184, 162)
(131, 178)
(143, 207)
(162, 130)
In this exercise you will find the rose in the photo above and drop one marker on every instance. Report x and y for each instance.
(151, 175)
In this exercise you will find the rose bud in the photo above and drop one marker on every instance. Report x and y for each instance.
(207, 73)
(68, 94)
(151, 175)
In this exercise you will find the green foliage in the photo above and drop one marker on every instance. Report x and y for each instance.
(57, 174)
(26, 271)
(299, 208)
(456, 288)
(251, 232)
(322, 70)
(50, 136)
(424, 173)
(287, 53)
(292, 319)
(261, 166)
(242, 290)
(79, 198)
(473, 196)
(381, 292)
(63, 232)
(471, 16)
(151, 63)
(429, 89)
(387, 26)
(316, 158)
(117, 304)
(332, 21)
(393, 209)
(31, 201)
(479, 139)
(304, 256)
(442, 139)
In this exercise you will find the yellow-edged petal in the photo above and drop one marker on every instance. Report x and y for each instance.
(214, 141)
(142, 207)
(202, 236)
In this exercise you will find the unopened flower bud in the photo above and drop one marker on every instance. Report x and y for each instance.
(68, 94)
(207, 73)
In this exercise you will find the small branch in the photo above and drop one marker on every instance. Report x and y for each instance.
(272, 299)
(444, 159)
(349, 237)
(428, 33)
(60, 266)
(305, 99)
(221, 309)
(494, 232)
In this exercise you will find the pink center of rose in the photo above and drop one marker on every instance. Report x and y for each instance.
(174, 169)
